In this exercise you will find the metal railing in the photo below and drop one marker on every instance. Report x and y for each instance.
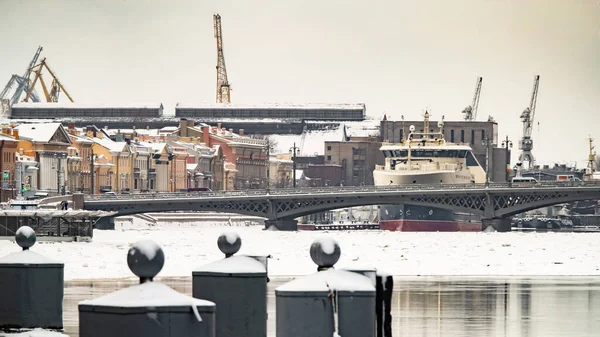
(344, 190)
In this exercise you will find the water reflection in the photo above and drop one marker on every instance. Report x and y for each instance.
(436, 306)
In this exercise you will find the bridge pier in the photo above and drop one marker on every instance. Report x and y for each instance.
(281, 225)
(107, 222)
(500, 225)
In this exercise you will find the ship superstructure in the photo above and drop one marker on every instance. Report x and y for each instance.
(426, 158)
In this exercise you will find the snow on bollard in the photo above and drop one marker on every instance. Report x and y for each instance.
(328, 302)
(149, 309)
(238, 286)
(31, 287)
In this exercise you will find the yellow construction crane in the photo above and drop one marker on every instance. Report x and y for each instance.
(56, 87)
(223, 89)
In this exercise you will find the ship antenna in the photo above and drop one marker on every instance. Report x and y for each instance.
(403, 130)
(426, 122)
(441, 126)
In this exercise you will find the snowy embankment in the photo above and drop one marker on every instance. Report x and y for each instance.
(397, 253)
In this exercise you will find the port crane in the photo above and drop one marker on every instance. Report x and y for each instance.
(23, 82)
(223, 88)
(528, 117)
(470, 112)
(55, 88)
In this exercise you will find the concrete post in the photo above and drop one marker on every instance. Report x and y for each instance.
(327, 302)
(150, 309)
(238, 286)
(31, 287)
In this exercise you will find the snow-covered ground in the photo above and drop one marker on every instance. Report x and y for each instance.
(397, 253)
(33, 333)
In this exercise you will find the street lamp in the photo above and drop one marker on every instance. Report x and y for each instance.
(507, 144)
(487, 142)
(268, 164)
(91, 158)
(294, 150)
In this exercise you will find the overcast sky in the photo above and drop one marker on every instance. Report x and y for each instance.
(398, 57)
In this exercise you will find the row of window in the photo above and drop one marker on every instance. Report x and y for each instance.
(271, 113)
(462, 136)
(39, 112)
(426, 153)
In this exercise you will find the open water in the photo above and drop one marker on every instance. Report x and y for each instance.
(440, 306)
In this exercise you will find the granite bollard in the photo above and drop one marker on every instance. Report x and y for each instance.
(327, 302)
(149, 309)
(238, 286)
(31, 287)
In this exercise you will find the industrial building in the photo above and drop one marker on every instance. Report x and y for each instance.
(213, 112)
(82, 111)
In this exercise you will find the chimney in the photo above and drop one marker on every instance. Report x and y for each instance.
(205, 136)
(15, 134)
(219, 126)
(241, 132)
(183, 128)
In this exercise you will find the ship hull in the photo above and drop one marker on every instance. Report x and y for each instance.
(417, 218)
(429, 226)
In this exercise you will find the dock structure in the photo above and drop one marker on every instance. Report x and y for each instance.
(55, 225)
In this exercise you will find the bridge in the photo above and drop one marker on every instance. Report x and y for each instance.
(494, 202)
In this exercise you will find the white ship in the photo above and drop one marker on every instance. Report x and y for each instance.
(426, 158)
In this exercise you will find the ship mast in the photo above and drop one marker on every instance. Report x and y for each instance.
(426, 122)
(591, 157)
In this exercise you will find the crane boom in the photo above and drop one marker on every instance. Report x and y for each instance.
(223, 88)
(527, 118)
(56, 87)
(22, 82)
(470, 112)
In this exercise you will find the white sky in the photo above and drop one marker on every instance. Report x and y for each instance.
(396, 56)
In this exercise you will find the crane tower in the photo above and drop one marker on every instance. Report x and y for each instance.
(527, 117)
(223, 89)
(470, 112)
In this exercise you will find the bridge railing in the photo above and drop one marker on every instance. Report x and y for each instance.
(338, 189)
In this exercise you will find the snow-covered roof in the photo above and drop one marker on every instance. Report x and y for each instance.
(42, 132)
(309, 143)
(156, 147)
(307, 106)
(235, 264)
(7, 137)
(26, 257)
(81, 139)
(70, 105)
(110, 144)
(147, 295)
(330, 279)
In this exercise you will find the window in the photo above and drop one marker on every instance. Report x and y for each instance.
(472, 136)
(462, 136)
(329, 158)
(482, 134)
(328, 148)
(451, 136)
(135, 184)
